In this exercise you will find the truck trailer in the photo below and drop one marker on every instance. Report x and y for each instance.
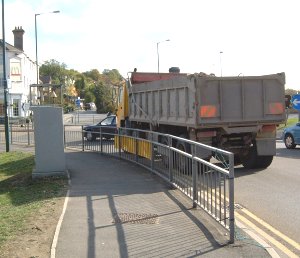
(238, 114)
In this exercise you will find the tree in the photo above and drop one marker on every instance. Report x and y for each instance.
(91, 85)
(56, 70)
(89, 97)
(102, 98)
(290, 92)
(80, 84)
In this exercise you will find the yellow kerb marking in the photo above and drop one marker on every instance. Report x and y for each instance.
(266, 236)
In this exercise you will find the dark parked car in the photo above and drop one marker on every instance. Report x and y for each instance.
(291, 136)
(108, 127)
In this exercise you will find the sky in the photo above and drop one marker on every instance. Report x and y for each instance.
(228, 38)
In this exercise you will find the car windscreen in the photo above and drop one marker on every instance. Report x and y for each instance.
(109, 121)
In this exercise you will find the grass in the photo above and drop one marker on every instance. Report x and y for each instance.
(20, 195)
(290, 121)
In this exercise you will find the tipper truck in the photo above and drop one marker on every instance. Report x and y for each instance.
(239, 114)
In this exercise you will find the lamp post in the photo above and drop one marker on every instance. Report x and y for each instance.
(5, 82)
(158, 53)
(36, 51)
(221, 52)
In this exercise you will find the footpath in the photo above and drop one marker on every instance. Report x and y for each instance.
(119, 209)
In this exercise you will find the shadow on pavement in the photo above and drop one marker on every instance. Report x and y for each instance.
(104, 187)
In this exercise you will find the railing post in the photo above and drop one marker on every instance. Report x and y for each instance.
(101, 140)
(65, 136)
(170, 159)
(82, 138)
(231, 198)
(11, 134)
(194, 176)
(28, 136)
(119, 139)
(152, 152)
(136, 135)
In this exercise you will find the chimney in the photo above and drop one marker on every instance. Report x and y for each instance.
(18, 37)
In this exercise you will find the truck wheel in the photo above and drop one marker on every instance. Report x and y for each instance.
(237, 160)
(289, 141)
(265, 161)
(251, 161)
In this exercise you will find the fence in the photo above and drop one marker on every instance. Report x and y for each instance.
(81, 118)
(209, 185)
(23, 134)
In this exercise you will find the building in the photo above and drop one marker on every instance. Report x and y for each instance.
(21, 73)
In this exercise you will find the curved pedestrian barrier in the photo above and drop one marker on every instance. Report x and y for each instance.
(209, 184)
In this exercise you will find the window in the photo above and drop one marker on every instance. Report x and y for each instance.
(109, 121)
(16, 107)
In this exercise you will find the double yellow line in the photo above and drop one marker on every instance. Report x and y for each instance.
(262, 233)
(269, 238)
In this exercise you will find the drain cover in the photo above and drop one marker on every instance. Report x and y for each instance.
(135, 218)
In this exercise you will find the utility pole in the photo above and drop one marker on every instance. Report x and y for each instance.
(5, 89)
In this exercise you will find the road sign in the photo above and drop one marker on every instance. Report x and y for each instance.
(77, 102)
(296, 101)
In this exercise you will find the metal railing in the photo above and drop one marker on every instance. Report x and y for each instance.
(80, 118)
(210, 185)
(21, 134)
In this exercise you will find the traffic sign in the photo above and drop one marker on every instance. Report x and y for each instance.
(77, 102)
(296, 101)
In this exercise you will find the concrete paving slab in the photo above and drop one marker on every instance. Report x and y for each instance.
(118, 209)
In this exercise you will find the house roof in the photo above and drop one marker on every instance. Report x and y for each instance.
(13, 49)
(10, 47)
(46, 79)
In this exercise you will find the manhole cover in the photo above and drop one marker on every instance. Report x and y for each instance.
(135, 218)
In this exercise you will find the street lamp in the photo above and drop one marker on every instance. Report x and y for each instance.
(221, 61)
(158, 53)
(6, 122)
(36, 54)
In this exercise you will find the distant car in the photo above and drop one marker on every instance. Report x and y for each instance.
(291, 136)
(108, 127)
(89, 106)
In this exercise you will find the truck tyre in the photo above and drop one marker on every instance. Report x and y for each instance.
(265, 161)
(251, 161)
(237, 160)
(289, 141)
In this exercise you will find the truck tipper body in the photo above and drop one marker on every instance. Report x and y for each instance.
(238, 114)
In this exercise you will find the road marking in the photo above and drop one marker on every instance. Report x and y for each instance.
(58, 226)
(272, 229)
(266, 236)
(258, 239)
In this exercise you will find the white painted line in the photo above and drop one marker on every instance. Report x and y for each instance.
(58, 226)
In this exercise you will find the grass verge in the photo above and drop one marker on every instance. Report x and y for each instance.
(21, 196)
(290, 121)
